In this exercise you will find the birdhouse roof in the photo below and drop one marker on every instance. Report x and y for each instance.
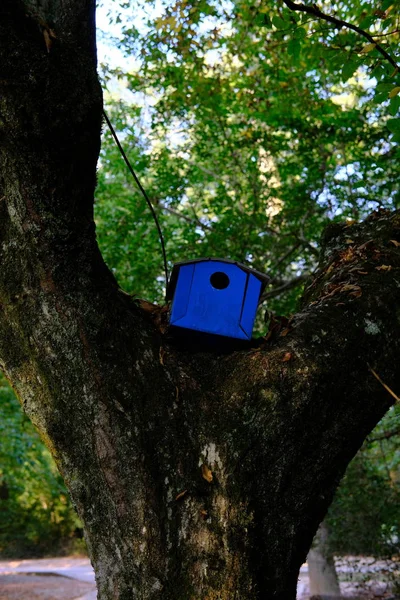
(175, 271)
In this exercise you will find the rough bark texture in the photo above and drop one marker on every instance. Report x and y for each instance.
(136, 422)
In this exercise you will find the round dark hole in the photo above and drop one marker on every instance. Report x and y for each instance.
(219, 280)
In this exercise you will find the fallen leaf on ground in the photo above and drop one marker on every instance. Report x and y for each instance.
(287, 356)
(384, 268)
(395, 243)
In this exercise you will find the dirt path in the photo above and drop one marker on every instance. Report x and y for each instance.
(43, 587)
(72, 578)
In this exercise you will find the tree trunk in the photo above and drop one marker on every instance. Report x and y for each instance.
(197, 475)
(324, 582)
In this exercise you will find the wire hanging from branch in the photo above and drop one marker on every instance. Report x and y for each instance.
(153, 212)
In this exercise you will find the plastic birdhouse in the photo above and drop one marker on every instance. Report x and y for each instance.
(215, 296)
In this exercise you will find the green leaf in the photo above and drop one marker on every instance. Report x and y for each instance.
(394, 106)
(349, 68)
(394, 125)
(279, 23)
(300, 33)
(290, 16)
(387, 23)
(382, 91)
(384, 86)
(367, 22)
(294, 48)
(396, 137)
(263, 20)
(379, 72)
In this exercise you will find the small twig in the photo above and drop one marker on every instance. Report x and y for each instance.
(307, 244)
(284, 257)
(314, 10)
(387, 388)
(194, 221)
(387, 34)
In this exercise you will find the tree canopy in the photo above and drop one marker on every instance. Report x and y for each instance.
(252, 126)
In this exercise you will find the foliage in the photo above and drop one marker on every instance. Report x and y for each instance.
(36, 516)
(251, 126)
(365, 515)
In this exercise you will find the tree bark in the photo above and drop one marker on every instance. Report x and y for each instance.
(137, 423)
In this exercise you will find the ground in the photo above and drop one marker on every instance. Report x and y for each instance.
(72, 578)
(68, 578)
(43, 587)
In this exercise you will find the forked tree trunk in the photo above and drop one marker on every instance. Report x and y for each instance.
(136, 423)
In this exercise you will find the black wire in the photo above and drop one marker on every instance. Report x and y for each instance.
(128, 164)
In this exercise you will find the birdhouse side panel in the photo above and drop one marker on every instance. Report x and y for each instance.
(250, 305)
(182, 293)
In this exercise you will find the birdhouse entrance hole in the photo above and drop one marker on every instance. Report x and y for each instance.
(219, 280)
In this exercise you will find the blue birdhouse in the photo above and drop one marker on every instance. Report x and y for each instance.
(216, 296)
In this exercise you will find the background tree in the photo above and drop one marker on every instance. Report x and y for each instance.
(36, 516)
(367, 502)
(124, 409)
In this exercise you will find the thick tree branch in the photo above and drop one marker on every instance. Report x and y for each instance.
(316, 12)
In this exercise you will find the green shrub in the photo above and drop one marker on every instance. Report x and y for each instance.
(36, 515)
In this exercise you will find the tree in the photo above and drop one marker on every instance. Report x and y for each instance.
(196, 474)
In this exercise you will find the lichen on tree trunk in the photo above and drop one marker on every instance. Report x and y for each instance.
(201, 475)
